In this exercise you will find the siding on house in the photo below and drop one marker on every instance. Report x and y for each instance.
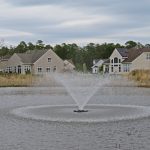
(56, 63)
(128, 60)
(36, 61)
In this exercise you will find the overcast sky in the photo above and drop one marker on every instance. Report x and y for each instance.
(75, 21)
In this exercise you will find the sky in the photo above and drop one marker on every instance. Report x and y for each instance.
(74, 21)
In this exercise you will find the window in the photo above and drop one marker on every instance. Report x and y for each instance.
(27, 68)
(126, 68)
(15, 69)
(115, 60)
(49, 59)
(54, 69)
(39, 69)
(9, 69)
(48, 69)
(112, 69)
(148, 56)
(119, 68)
(119, 60)
(112, 61)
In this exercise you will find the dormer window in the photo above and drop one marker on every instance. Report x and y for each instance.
(49, 59)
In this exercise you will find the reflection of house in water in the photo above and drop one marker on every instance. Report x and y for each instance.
(34, 61)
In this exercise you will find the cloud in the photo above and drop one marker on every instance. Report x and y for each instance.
(13, 33)
(58, 21)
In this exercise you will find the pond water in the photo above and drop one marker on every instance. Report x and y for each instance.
(18, 133)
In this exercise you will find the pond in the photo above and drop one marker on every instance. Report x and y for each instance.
(33, 134)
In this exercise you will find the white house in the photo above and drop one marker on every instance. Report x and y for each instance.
(97, 63)
(125, 60)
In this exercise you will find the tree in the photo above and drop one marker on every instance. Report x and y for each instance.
(31, 46)
(21, 48)
(130, 44)
(39, 45)
(147, 45)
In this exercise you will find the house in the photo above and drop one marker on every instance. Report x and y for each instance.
(97, 64)
(3, 62)
(124, 60)
(68, 65)
(35, 61)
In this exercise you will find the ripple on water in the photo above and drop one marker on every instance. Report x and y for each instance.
(96, 113)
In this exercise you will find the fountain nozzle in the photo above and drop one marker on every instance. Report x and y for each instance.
(80, 111)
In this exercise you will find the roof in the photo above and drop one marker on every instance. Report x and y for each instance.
(31, 56)
(107, 61)
(123, 52)
(133, 53)
(6, 57)
(98, 63)
(96, 60)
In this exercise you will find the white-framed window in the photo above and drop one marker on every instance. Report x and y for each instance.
(112, 68)
(115, 60)
(27, 68)
(48, 69)
(119, 68)
(39, 69)
(148, 56)
(9, 69)
(126, 67)
(49, 59)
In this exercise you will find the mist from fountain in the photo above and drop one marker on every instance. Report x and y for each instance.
(81, 86)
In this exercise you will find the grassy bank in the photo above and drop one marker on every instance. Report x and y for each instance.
(142, 77)
(15, 80)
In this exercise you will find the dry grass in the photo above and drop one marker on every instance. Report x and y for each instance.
(15, 80)
(142, 77)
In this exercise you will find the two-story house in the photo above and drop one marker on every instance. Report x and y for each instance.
(35, 61)
(124, 60)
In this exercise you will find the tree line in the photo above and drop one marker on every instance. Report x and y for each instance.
(80, 56)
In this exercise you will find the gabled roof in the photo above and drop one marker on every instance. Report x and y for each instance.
(96, 60)
(98, 63)
(123, 52)
(31, 56)
(133, 53)
(107, 61)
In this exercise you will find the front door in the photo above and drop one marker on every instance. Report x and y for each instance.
(19, 69)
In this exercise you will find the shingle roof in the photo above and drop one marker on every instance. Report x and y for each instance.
(6, 57)
(134, 53)
(31, 56)
(123, 52)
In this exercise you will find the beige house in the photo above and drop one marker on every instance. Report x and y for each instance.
(35, 61)
(3, 62)
(68, 65)
(126, 60)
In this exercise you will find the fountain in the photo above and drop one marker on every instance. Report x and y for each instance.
(81, 87)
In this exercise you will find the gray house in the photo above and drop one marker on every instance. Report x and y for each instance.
(35, 61)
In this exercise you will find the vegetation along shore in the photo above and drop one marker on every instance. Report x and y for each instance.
(142, 77)
(16, 80)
